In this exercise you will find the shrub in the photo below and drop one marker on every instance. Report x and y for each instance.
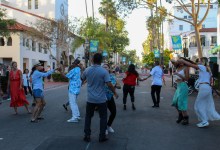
(57, 77)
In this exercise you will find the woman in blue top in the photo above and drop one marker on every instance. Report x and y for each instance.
(110, 100)
(37, 82)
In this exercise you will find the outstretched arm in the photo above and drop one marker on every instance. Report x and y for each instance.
(188, 64)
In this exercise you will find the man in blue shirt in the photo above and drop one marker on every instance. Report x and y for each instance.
(74, 88)
(37, 82)
(97, 77)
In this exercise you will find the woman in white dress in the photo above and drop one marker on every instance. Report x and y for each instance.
(204, 104)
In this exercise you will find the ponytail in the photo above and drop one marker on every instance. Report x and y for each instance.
(32, 70)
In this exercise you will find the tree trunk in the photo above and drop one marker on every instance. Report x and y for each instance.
(198, 41)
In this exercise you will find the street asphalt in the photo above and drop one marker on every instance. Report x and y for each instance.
(146, 128)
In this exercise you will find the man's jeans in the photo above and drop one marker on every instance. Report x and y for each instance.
(90, 108)
(74, 106)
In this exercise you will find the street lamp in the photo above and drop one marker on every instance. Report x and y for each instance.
(86, 47)
(184, 46)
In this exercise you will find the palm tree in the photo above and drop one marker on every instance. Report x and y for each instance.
(86, 9)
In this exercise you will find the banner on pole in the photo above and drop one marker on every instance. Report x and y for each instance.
(156, 53)
(94, 44)
(176, 42)
(104, 53)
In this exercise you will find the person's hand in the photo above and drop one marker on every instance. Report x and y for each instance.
(116, 95)
(175, 73)
(59, 69)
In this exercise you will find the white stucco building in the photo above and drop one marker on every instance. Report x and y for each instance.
(178, 27)
(29, 12)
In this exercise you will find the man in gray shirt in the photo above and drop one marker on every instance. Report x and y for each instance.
(97, 77)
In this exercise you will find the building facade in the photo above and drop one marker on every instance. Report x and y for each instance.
(28, 13)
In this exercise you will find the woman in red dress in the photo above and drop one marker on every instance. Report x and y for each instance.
(16, 89)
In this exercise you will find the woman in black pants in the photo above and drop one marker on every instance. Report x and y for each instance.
(110, 100)
(130, 79)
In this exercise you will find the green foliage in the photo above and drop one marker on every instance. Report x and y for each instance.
(4, 24)
(149, 59)
(57, 77)
(130, 56)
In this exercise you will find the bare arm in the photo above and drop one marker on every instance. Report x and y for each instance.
(188, 64)
(21, 79)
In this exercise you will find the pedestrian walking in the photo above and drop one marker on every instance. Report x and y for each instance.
(15, 82)
(204, 104)
(26, 82)
(130, 80)
(74, 89)
(37, 82)
(96, 77)
(180, 99)
(110, 100)
(157, 74)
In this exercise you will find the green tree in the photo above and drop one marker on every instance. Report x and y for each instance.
(191, 7)
(5, 23)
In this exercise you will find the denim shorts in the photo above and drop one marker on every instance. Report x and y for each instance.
(38, 93)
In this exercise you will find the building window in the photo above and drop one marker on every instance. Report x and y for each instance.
(203, 26)
(33, 46)
(27, 43)
(214, 40)
(192, 27)
(211, 6)
(40, 47)
(45, 51)
(23, 43)
(190, 17)
(36, 4)
(185, 17)
(29, 4)
(9, 42)
(2, 41)
(181, 27)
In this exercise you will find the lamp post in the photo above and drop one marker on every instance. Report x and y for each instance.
(184, 46)
(86, 47)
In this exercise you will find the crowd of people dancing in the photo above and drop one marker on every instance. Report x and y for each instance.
(101, 91)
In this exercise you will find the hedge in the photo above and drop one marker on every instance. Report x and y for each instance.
(57, 77)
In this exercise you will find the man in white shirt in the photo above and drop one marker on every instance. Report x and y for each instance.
(157, 74)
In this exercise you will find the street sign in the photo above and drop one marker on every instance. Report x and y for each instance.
(94, 44)
(156, 53)
(176, 42)
(104, 53)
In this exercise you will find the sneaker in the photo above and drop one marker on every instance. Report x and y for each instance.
(106, 132)
(78, 118)
(87, 138)
(64, 106)
(73, 120)
(203, 124)
(110, 130)
(133, 107)
(124, 107)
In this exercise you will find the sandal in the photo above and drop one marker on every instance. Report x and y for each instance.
(34, 121)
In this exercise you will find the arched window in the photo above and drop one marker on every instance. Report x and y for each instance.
(2, 42)
(9, 42)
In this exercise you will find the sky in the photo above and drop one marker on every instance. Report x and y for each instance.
(135, 22)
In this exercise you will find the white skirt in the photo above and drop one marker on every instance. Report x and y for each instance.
(204, 104)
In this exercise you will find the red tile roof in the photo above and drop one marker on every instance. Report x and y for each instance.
(19, 27)
(208, 30)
